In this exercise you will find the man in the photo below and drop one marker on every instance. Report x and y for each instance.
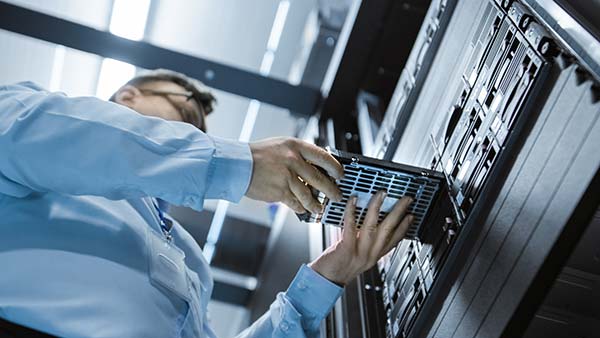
(85, 250)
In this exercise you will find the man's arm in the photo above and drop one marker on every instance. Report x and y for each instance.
(299, 311)
(86, 146)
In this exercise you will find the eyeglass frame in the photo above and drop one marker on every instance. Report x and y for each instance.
(183, 112)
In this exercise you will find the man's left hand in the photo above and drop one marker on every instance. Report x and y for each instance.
(359, 249)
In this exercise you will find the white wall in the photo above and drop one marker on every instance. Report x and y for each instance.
(73, 72)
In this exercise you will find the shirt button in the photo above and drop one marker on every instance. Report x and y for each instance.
(189, 201)
(284, 326)
(301, 285)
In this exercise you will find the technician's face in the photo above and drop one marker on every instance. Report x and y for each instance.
(158, 99)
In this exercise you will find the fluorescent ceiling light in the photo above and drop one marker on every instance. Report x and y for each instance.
(57, 68)
(209, 251)
(214, 232)
(266, 63)
(128, 19)
(234, 278)
(216, 226)
(249, 121)
(278, 23)
(113, 74)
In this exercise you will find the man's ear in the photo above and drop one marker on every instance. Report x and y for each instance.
(127, 96)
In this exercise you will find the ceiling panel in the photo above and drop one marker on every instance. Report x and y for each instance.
(93, 13)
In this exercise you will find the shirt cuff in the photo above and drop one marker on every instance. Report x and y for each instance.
(230, 170)
(312, 294)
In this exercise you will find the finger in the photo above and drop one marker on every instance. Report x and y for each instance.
(398, 234)
(304, 195)
(293, 204)
(317, 179)
(368, 231)
(393, 218)
(349, 231)
(321, 158)
(372, 217)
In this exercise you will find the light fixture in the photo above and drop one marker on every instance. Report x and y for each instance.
(278, 23)
(58, 63)
(216, 226)
(113, 74)
(128, 19)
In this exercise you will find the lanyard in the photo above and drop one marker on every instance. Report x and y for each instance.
(165, 224)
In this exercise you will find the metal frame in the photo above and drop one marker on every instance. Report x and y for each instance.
(560, 250)
(452, 275)
(300, 99)
(407, 109)
(579, 42)
(362, 59)
(461, 249)
(555, 261)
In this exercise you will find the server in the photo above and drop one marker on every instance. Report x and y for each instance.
(503, 100)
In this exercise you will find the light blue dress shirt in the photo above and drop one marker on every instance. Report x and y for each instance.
(82, 253)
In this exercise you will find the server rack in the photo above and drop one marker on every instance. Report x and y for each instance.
(502, 101)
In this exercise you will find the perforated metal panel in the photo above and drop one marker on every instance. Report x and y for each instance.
(364, 177)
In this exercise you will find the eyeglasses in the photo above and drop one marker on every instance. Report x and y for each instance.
(194, 118)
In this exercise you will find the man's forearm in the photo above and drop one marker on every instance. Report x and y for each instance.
(85, 146)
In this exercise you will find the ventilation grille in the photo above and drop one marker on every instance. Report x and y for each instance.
(364, 177)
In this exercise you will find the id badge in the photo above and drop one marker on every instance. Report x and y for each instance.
(167, 266)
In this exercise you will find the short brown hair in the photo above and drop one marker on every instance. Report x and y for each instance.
(200, 93)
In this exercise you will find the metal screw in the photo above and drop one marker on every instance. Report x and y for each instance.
(545, 48)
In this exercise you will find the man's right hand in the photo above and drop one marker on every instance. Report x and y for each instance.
(279, 163)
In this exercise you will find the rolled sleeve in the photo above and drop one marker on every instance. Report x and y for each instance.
(230, 170)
